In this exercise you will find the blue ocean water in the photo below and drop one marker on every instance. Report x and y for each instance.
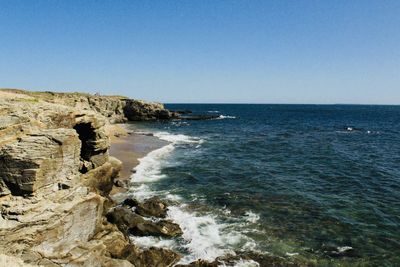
(315, 183)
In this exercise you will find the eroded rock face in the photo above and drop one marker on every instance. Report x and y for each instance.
(55, 176)
(39, 159)
(137, 110)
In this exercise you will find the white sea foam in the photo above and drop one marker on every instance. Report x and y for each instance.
(251, 217)
(203, 236)
(343, 249)
(291, 254)
(151, 241)
(149, 167)
(178, 138)
(213, 111)
(226, 117)
(244, 263)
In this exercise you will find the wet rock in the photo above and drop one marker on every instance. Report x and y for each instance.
(130, 202)
(124, 218)
(157, 257)
(162, 228)
(252, 259)
(121, 183)
(131, 223)
(270, 260)
(200, 263)
(198, 117)
(163, 114)
(152, 207)
(182, 112)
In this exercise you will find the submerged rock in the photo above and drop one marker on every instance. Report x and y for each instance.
(198, 117)
(200, 263)
(246, 259)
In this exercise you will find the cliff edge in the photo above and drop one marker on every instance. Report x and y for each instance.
(55, 177)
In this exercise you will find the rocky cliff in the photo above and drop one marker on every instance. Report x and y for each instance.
(55, 176)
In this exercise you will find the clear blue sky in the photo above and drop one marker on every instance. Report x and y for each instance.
(205, 51)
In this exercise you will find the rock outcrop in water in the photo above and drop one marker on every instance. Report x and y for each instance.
(55, 176)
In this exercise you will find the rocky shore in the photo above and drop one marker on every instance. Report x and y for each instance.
(56, 180)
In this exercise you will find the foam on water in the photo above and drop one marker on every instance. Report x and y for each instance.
(149, 167)
(151, 241)
(244, 263)
(177, 138)
(226, 117)
(252, 217)
(203, 236)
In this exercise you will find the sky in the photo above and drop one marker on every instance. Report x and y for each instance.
(321, 52)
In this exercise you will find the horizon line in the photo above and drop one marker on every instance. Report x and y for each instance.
(265, 103)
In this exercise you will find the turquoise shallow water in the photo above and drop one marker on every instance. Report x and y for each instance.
(316, 183)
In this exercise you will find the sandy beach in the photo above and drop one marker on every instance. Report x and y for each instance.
(129, 147)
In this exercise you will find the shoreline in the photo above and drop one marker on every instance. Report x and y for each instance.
(129, 147)
(190, 223)
(57, 174)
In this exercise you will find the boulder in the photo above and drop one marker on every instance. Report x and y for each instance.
(137, 110)
(154, 257)
(132, 223)
(161, 228)
(152, 207)
(130, 202)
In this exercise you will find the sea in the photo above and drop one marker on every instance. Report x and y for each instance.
(315, 184)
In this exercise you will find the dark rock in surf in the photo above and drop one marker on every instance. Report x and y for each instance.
(232, 260)
(131, 223)
(124, 219)
(130, 202)
(152, 207)
(182, 112)
(162, 228)
(121, 183)
(157, 257)
(198, 117)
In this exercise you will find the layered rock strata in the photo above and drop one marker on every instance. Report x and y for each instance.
(55, 177)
